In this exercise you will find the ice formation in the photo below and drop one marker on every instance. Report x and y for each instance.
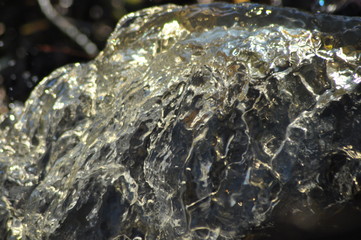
(194, 122)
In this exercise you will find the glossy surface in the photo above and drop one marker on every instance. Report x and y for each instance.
(193, 123)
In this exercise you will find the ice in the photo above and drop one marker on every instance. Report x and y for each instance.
(197, 122)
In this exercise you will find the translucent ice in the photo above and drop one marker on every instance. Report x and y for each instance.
(198, 122)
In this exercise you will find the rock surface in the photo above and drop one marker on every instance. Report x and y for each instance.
(198, 122)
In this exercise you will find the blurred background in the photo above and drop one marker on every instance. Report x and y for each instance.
(32, 44)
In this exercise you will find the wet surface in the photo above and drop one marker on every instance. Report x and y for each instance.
(201, 122)
(31, 46)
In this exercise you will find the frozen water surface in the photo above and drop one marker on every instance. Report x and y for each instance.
(197, 122)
